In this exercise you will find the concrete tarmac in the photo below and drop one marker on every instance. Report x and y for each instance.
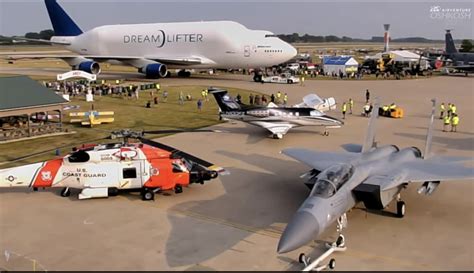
(234, 222)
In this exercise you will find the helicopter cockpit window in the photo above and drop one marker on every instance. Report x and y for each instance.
(178, 168)
(129, 173)
(79, 157)
(331, 180)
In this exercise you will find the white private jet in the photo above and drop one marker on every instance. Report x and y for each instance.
(153, 48)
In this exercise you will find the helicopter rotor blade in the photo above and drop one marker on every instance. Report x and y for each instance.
(174, 131)
(49, 150)
(180, 153)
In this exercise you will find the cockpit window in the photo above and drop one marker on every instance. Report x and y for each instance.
(270, 35)
(331, 180)
(315, 113)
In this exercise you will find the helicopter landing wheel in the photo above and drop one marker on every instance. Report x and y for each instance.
(178, 189)
(148, 195)
(65, 192)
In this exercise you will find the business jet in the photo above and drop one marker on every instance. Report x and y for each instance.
(155, 48)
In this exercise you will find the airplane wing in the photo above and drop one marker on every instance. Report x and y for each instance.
(274, 128)
(435, 169)
(319, 160)
(164, 60)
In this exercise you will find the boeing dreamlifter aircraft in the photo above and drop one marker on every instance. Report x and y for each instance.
(153, 48)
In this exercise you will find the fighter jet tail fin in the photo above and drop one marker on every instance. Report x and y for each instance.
(369, 141)
(450, 47)
(429, 135)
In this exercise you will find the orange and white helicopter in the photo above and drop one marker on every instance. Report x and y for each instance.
(102, 170)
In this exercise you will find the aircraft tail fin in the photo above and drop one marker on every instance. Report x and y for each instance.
(429, 135)
(63, 25)
(225, 102)
(369, 141)
(450, 47)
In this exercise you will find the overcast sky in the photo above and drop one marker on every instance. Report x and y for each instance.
(356, 19)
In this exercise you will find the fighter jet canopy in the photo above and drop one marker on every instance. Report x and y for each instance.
(331, 179)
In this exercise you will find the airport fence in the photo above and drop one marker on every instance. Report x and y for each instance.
(12, 261)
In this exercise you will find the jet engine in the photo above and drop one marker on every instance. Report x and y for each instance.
(89, 67)
(154, 70)
(428, 187)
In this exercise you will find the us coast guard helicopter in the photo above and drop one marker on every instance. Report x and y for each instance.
(102, 170)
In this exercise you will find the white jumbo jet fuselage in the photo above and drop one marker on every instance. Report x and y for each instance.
(219, 44)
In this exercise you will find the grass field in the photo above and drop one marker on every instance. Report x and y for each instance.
(129, 113)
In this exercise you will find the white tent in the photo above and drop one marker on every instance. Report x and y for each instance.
(337, 64)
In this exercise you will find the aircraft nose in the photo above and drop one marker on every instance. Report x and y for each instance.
(301, 229)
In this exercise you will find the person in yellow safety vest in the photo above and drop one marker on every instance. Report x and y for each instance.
(446, 122)
(442, 108)
(203, 94)
(393, 106)
(117, 82)
(351, 105)
(278, 97)
(453, 109)
(454, 122)
(285, 99)
(449, 109)
(344, 109)
(385, 110)
(207, 94)
(157, 87)
(302, 80)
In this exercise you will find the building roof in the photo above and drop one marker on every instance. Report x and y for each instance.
(22, 92)
(339, 60)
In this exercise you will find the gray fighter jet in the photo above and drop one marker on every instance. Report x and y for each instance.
(369, 174)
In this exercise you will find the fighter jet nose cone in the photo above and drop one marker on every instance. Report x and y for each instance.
(302, 229)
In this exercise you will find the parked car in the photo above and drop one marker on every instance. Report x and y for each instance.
(282, 78)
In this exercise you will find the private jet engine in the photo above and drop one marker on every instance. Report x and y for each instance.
(83, 64)
(154, 70)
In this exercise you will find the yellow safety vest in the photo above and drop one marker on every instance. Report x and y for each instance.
(446, 120)
(278, 95)
(285, 98)
(351, 102)
(453, 109)
(393, 106)
(442, 107)
(385, 108)
(117, 81)
(344, 107)
(157, 86)
(455, 120)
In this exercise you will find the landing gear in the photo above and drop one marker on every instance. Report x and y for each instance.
(178, 189)
(277, 136)
(148, 194)
(338, 245)
(184, 74)
(400, 207)
(326, 133)
(65, 192)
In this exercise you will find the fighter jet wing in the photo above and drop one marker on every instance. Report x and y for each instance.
(435, 169)
(319, 160)
(274, 128)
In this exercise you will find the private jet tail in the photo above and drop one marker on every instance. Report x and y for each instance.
(63, 25)
(450, 47)
(225, 102)
(369, 141)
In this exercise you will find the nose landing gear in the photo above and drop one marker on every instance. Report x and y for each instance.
(338, 245)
